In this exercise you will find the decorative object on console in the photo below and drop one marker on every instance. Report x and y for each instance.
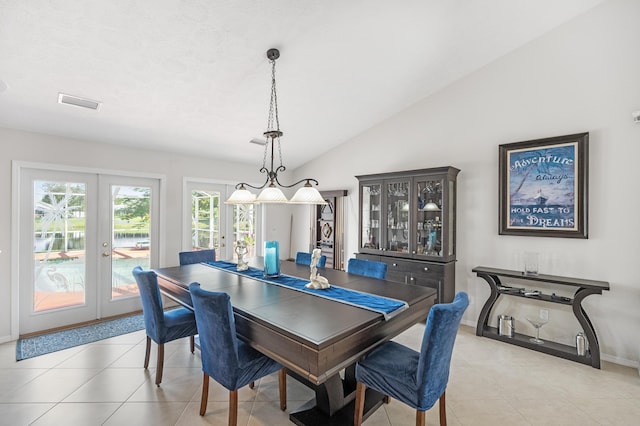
(581, 344)
(537, 322)
(271, 259)
(544, 187)
(506, 325)
(531, 263)
(241, 251)
(271, 193)
(317, 282)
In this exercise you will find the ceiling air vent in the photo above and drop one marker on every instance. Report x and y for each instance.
(77, 101)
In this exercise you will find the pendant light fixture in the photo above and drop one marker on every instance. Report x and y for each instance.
(271, 192)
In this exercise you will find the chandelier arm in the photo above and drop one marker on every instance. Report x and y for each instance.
(241, 184)
(297, 183)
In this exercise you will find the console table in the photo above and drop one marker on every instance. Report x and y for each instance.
(583, 288)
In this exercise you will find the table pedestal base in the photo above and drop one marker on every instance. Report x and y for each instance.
(310, 415)
(334, 402)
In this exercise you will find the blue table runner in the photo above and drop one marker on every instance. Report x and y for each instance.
(383, 305)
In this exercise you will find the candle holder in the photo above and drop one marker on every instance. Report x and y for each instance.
(271, 259)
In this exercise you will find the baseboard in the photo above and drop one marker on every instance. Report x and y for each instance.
(469, 323)
(620, 361)
(5, 339)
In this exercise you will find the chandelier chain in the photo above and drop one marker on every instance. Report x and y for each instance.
(273, 113)
(273, 104)
(264, 158)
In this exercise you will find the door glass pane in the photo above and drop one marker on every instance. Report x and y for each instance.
(371, 216)
(430, 217)
(244, 228)
(130, 237)
(398, 217)
(205, 220)
(59, 244)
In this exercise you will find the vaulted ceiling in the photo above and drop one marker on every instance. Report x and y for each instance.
(192, 76)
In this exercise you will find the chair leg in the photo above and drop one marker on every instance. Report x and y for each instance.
(359, 407)
(148, 353)
(386, 399)
(443, 410)
(252, 385)
(205, 394)
(421, 418)
(233, 408)
(160, 364)
(192, 342)
(282, 386)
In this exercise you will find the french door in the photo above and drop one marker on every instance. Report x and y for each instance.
(209, 223)
(81, 234)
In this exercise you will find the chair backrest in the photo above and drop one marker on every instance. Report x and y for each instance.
(437, 346)
(197, 256)
(151, 303)
(217, 330)
(369, 268)
(303, 258)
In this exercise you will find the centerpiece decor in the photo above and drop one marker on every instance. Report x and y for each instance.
(317, 282)
(271, 259)
(241, 251)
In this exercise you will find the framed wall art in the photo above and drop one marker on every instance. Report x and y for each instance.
(544, 187)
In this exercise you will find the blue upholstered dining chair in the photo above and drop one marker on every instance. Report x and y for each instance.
(197, 256)
(303, 258)
(231, 362)
(417, 379)
(369, 268)
(161, 327)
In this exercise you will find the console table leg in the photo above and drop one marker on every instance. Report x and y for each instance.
(493, 282)
(585, 322)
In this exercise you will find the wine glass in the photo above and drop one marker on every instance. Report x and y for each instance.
(537, 323)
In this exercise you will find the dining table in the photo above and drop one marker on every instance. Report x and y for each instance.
(317, 339)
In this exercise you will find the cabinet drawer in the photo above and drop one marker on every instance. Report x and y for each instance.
(428, 271)
(420, 268)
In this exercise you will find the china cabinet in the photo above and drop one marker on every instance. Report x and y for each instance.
(408, 220)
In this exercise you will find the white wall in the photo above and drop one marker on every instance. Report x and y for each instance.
(583, 76)
(33, 147)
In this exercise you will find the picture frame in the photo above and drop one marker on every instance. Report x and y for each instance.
(543, 187)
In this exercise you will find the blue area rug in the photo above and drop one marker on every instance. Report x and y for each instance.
(59, 340)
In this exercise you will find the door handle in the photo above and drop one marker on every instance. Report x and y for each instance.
(106, 254)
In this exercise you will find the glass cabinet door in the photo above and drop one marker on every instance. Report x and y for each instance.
(429, 217)
(397, 215)
(371, 216)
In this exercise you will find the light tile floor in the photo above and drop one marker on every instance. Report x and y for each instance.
(491, 383)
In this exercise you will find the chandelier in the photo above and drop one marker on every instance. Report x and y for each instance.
(271, 193)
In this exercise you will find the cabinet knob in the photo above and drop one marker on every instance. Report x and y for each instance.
(413, 252)
(412, 279)
(426, 269)
(395, 264)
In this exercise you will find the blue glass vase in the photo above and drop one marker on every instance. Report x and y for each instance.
(271, 259)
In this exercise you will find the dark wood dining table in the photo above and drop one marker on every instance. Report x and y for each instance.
(313, 337)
